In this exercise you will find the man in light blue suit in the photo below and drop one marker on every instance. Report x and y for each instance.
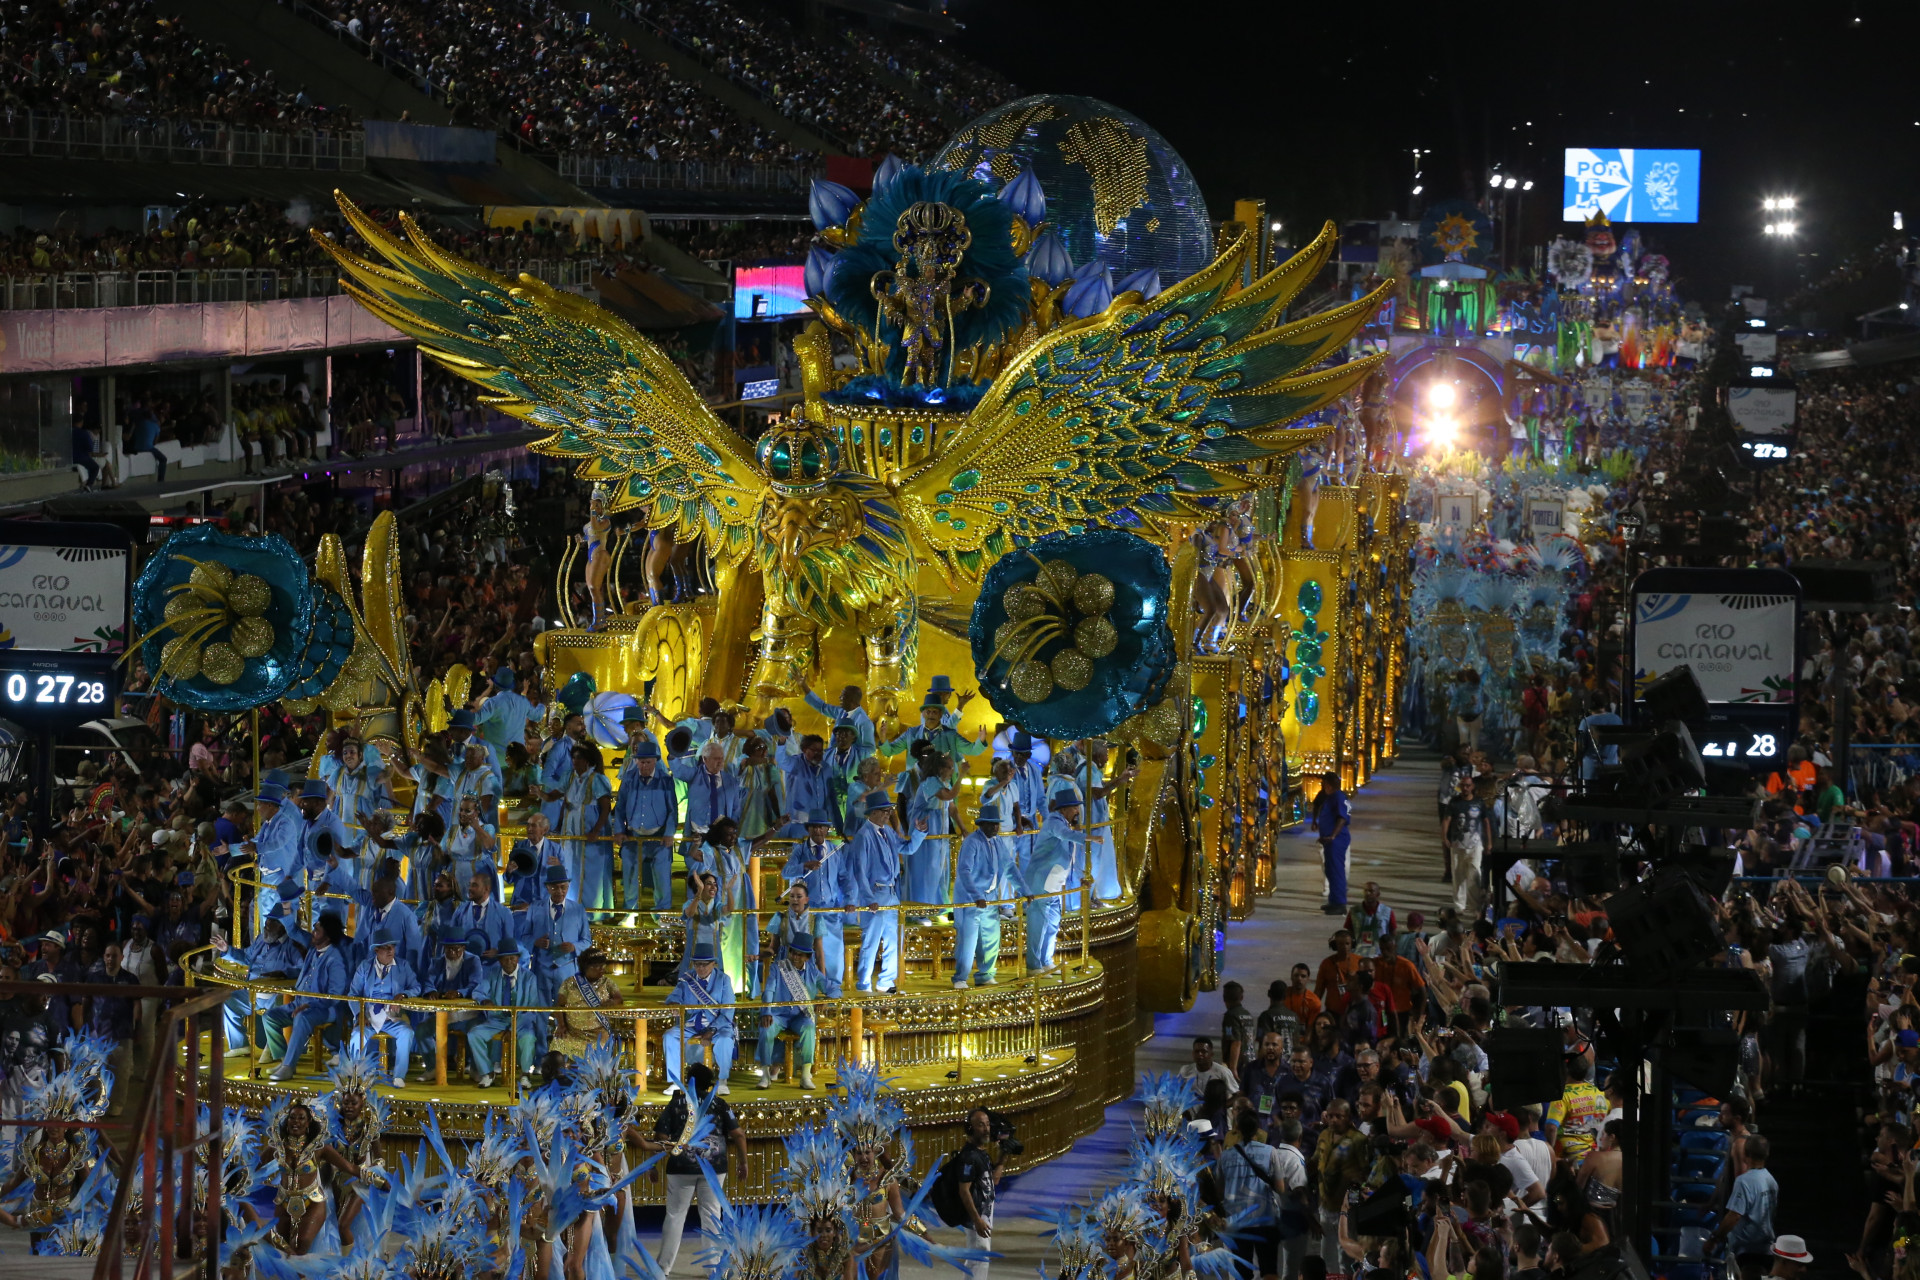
(507, 987)
(645, 813)
(555, 933)
(976, 883)
(821, 863)
(503, 717)
(385, 975)
(1049, 864)
(797, 982)
(707, 994)
(274, 954)
(325, 972)
(458, 975)
(878, 859)
(487, 919)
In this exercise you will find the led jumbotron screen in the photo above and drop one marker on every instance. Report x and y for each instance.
(767, 293)
(1631, 185)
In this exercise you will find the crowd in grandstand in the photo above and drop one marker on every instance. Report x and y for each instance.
(738, 241)
(540, 74)
(128, 58)
(532, 69)
(806, 78)
(960, 88)
(263, 235)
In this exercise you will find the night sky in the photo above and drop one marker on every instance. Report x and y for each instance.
(1318, 107)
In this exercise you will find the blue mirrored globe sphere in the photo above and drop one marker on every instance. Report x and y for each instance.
(1115, 190)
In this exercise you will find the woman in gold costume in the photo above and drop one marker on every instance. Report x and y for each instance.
(56, 1161)
(358, 1118)
(299, 1145)
(588, 991)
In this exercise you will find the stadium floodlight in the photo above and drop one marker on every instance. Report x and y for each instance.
(1494, 181)
(1417, 188)
(1769, 204)
(1442, 395)
(1511, 183)
(1527, 185)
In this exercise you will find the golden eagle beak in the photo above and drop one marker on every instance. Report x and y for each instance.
(793, 537)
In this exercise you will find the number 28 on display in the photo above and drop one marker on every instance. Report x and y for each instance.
(54, 690)
(1763, 746)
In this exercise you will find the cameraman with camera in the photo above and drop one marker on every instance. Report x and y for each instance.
(963, 1193)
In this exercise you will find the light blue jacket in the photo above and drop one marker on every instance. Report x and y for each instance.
(879, 859)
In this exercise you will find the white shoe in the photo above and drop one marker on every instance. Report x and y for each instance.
(766, 1080)
(987, 982)
(484, 1082)
(961, 985)
(399, 1082)
(722, 1089)
(806, 1076)
(282, 1072)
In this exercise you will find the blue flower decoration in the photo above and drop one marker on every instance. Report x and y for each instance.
(1124, 681)
(1145, 282)
(230, 623)
(1048, 259)
(819, 267)
(1092, 291)
(1026, 198)
(830, 204)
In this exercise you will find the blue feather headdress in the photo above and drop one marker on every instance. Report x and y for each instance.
(755, 1242)
(1558, 554)
(355, 1073)
(867, 1115)
(1123, 1214)
(815, 1177)
(539, 1118)
(1165, 1097)
(87, 1053)
(451, 1244)
(1077, 1244)
(1167, 1165)
(603, 1098)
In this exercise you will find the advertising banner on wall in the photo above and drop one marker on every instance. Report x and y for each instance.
(63, 587)
(1739, 646)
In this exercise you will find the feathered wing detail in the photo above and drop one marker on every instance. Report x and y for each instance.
(613, 401)
(1143, 412)
(381, 587)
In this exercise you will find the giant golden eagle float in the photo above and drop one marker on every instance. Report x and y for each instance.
(1049, 445)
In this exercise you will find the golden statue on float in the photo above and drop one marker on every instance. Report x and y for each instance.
(1144, 416)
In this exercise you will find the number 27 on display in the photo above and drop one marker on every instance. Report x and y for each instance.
(1762, 747)
(54, 689)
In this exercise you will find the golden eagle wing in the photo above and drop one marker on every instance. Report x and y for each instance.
(612, 401)
(1137, 415)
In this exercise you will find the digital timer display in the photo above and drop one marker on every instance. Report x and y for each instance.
(46, 688)
(56, 689)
